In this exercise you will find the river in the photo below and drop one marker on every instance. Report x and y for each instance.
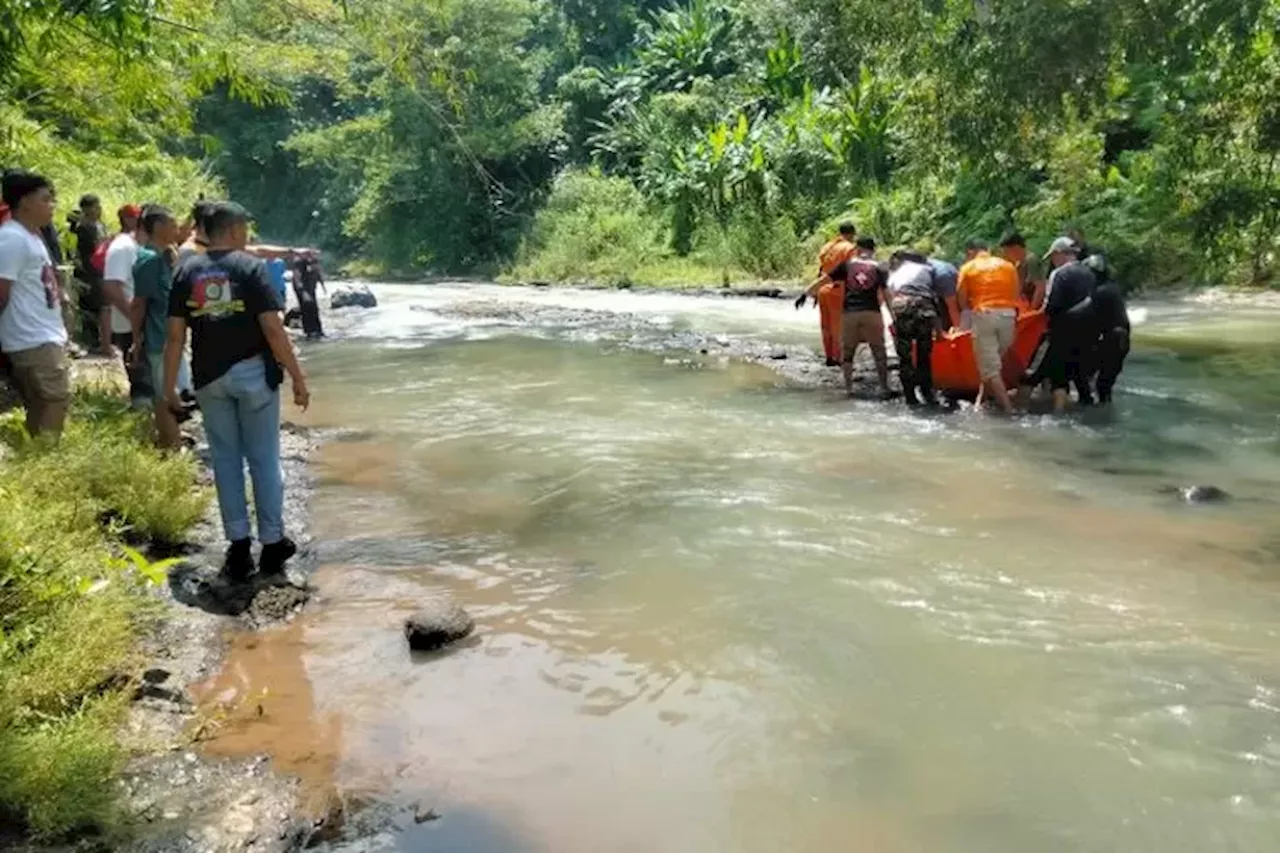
(722, 610)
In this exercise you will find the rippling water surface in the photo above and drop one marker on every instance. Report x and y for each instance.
(718, 612)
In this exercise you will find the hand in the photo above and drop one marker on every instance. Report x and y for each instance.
(800, 302)
(301, 394)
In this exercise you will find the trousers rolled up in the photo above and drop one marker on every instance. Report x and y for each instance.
(242, 423)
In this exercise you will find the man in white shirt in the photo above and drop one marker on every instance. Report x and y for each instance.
(32, 333)
(117, 289)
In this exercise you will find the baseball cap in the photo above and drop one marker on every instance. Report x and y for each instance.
(131, 211)
(1062, 244)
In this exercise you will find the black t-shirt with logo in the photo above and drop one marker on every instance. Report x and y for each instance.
(221, 295)
(864, 279)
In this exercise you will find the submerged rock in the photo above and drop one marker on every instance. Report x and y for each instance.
(438, 624)
(353, 297)
(1197, 494)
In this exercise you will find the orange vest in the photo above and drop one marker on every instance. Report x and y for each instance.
(834, 254)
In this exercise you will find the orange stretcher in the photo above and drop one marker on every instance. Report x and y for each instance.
(955, 367)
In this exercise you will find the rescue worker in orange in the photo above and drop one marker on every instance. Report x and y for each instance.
(989, 287)
(829, 293)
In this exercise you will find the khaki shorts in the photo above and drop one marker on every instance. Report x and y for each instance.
(992, 338)
(43, 380)
(863, 327)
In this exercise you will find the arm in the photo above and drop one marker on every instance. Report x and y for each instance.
(6, 287)
(175, 340)
(282, 349)
(113, 290)
(953, 311)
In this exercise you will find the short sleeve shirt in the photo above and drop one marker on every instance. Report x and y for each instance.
(33, 316)
(864, 280)
(221, 295)
(152, 282)
(121, 256)
(945, 276)
(989, 284)
(913, 280)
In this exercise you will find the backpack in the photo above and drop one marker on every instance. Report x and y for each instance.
(99, 259)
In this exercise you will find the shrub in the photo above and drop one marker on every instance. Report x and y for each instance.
(594, 228)
(70, 609)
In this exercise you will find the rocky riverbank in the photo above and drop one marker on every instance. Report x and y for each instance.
(174, 799)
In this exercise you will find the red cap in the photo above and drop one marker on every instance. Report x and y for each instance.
(132, 211)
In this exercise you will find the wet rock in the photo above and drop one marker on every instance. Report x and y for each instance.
(422, 814)
(1204, 495)
(778, 356)
(438, 624)
(1197, 495)
(353, 297)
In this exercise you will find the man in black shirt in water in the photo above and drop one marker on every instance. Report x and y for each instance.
(1073, 324)
(1113, 341)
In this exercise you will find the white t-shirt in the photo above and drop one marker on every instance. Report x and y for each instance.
(33, 316)
(912, 279)
(119, 267)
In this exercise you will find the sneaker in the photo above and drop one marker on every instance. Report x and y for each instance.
(238, 564)
(275, 555)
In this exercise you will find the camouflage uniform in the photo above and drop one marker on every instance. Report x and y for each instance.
(915, 320)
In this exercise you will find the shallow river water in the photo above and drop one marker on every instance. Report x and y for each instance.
(721, 611)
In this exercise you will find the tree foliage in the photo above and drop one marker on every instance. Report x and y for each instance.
(431, 134)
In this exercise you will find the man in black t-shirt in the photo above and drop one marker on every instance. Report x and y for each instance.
(1113, 340)
(864, 293)
(90, 231)
(238, 346)
(1073, 324)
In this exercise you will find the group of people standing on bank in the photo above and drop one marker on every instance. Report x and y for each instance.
(929, 299)
(167, 284)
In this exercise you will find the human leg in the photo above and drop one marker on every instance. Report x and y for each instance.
(990, 342)
(831, 310)
(222, 429)
(258, 410)
(43, 381)
(1113, 349)
(873, 333)
(903, 340)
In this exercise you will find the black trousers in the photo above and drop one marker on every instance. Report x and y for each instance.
(141, 384)
(1113, 349)
(310, 310)
(1070, 359)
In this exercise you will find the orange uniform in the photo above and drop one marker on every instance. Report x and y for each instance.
(831, 296)
(988, 283)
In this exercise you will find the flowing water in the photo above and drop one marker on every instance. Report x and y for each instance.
(721, 612)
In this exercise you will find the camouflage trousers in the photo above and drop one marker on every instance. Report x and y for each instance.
(914, 323)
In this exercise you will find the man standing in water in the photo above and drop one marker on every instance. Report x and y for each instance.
(913, 301)
(1073, 327)
(1113, 342)
(238, 345)
(829, 292)
(864, 293)
(1013, 248)
(989, 287)
(306, 277)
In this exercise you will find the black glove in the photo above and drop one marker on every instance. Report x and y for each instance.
(800, 302)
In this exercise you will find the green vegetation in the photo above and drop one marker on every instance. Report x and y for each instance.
(472, 136)
(73, 601)
(656, 142)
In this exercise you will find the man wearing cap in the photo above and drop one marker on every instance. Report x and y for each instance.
(238, 347)
(117, 290)
(1073, 326)
(988, 287)
(32, 333)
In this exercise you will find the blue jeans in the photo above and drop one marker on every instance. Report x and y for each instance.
(242, 423)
